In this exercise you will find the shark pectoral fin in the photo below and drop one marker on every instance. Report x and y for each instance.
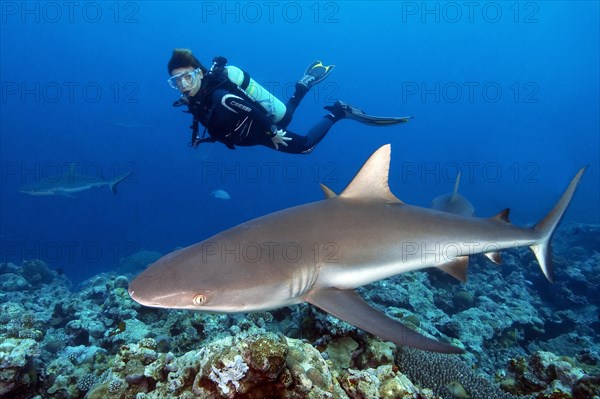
(494, 257)
(348, 306)
(329, 193)
(457, 268)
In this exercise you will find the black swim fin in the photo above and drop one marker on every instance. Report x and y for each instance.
(315, 73)
(351, 112)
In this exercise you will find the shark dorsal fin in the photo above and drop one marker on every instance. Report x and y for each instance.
(371, 181)
(455, 187)
(502, 216)
(329, 193)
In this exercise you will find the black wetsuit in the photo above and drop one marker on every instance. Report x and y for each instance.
(236, 121)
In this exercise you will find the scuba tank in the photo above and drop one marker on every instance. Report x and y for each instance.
(273, 107)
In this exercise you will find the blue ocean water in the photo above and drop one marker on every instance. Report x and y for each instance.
(506, 92)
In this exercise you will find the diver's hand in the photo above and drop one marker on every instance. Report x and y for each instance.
(280, 138)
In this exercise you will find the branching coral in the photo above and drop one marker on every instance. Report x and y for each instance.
(232, 371)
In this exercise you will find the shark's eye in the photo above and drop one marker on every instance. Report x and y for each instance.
(199, 300)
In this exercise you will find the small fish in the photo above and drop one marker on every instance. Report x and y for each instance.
(220, 194)
(118, 329)
(457, 390)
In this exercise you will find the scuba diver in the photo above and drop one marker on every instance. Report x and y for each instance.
(237, 111)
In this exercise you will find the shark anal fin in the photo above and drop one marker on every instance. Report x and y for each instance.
(329, 193)
(457, 268)
(348, 306)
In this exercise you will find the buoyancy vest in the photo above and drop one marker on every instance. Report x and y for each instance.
(237, 81)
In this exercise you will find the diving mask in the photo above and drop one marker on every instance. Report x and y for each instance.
(185, 81)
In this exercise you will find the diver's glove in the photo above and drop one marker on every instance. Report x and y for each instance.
(279, 138)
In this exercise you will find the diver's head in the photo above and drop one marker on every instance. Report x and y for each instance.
(187, 80)
(186, 72)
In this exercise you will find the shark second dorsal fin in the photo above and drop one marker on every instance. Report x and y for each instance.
(329, 193)
(502, 216)
(371, 181)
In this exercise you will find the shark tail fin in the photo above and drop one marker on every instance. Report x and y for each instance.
(113, 184)
(545, 228)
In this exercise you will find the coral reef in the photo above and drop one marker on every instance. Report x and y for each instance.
(447, 375)
(137, 261)
(545, 375)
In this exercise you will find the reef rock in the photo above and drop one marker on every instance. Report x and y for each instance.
(545, 375)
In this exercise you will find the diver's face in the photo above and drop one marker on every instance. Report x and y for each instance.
(187, 80)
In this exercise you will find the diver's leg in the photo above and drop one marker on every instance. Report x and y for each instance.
(315, 73)
(290, 107)
(318, 131)
(305, 144)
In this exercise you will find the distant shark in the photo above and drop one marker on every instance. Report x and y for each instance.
(69, 184)
(322, 251)
(454, 202)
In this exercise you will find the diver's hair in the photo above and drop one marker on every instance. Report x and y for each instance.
(182, 58)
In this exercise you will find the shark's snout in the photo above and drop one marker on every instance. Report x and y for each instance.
(135, 291)
(140, 291)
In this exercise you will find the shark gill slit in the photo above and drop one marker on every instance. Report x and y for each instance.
(302, 280)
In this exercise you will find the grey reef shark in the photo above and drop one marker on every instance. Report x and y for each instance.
(70, 183)
(454, 202)
(322, 251)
